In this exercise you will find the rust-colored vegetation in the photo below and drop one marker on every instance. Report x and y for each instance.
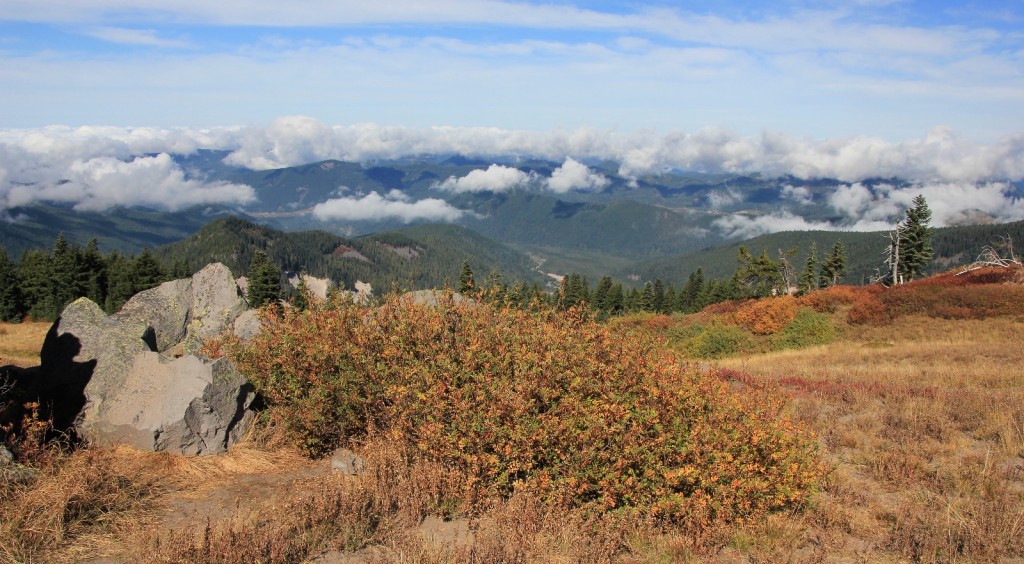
(852, 424)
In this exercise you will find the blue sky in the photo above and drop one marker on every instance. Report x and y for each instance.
(811, 69)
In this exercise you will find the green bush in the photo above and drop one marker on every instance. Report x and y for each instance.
(714, 340)
(808, 329)
(549, 402)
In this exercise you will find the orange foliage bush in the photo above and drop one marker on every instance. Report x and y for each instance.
(868, 310)
(767, 315)
(549, 402)
(828, 300)
(956, 301)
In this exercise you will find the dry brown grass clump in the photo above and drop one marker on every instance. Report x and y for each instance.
(923, 421)
(20, 342)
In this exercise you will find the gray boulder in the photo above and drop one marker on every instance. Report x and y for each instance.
(166, 308)
(247, 325)
(185, 313)
(188, 405)
(108, 379)
(86, 357)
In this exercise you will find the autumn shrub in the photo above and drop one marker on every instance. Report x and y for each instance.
(828, 300)
(767, 315)
(809, 328)
(713, 340)
(542, 402)
(956, 301)
(869, 310)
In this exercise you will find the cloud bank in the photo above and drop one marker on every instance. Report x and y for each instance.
(101, 183)
(394, 205)
(496, 178)
(574, 175)
(99, 167)
(877, 208)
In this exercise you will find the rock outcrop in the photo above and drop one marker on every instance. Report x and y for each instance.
(123, 378)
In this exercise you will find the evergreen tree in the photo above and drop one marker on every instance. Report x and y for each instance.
(670, 299)
(120, 282)
(761, 276)
(632, 300)
(264, 281)
(658, 300)
(833, 267)
(689, 296)
(466, 283)
(11, 306)
(35, 278)
(575, 290)
(302, 296)
(601, 294)
(147, 272)
(92, 269)
(809, 277)
(916, 245)
(66, 284)
(647, 297)
(615, 300)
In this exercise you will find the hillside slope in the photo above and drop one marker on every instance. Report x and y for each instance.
(425, 257)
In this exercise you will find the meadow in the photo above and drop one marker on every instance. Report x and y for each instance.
(901, 422)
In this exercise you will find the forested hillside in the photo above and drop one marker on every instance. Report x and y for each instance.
(953, 246)
(421, 257)
(125, 230)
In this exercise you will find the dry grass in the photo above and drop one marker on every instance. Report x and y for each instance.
(923, 421)
(20, 342)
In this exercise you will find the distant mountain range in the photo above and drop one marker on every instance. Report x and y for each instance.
(505, 215)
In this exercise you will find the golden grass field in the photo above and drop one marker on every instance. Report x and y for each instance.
(20, 342)
(921, 421)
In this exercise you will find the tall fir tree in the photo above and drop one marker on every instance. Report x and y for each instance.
(833, 267)
(601, 294)
(916, 246)
(12, 308)
(93, 271)
(689, 296)
(810, 275)
(647, 297)
(66, 281)
(467, 285)
(35, 278)
(147, 272)
(264, 281)
(615, 299)
(658, 301)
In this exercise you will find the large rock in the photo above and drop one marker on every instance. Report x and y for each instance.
(85, 359)
(107, 379)
(188, 405)
(166, 308)
(186, 313)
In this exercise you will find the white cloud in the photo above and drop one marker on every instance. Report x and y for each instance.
(941, 155)
(745, 226)
(574, 175)
(496, 178)
(719, 199)
(951, 203)
(101, 183)
(105, 164)
(128, 36)
(878, 208)
(799, 194)
(394, 205)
